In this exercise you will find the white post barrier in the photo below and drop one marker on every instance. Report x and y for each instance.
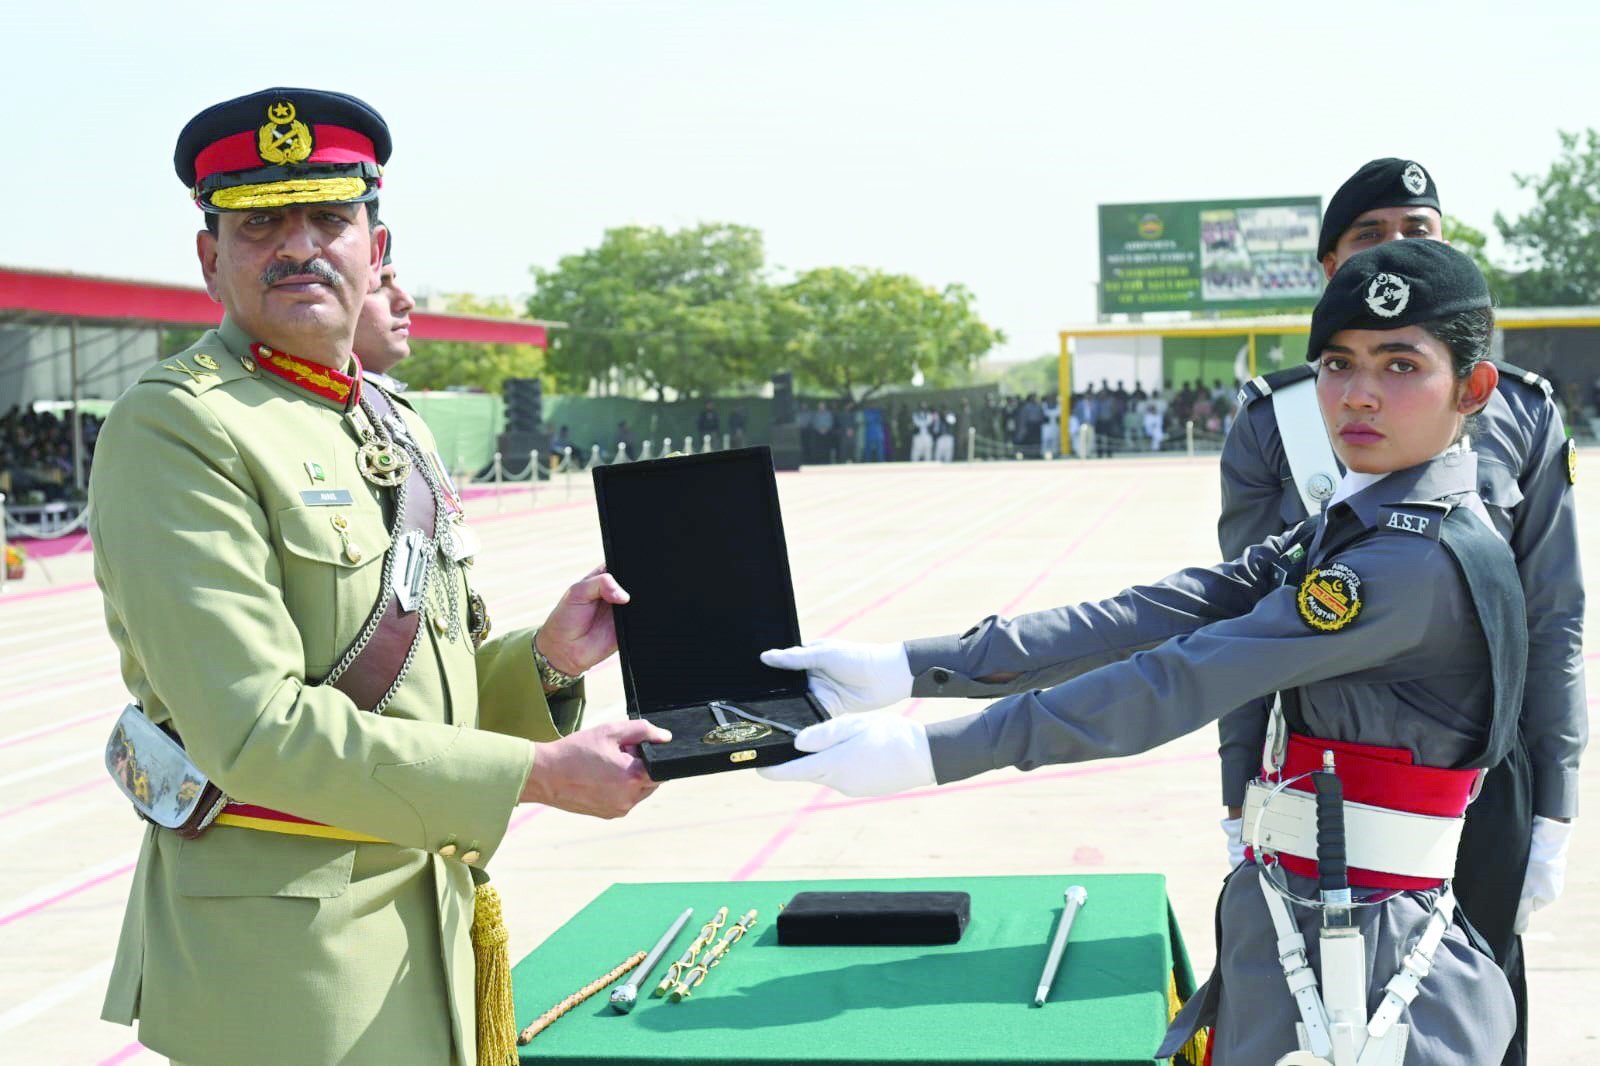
(622, 452)
(972, 442)
(1086, 441)
(496, 474)
(727, 441)
(595, 458)
(644, 451)
(705, 444)
(533, 477)
(1188, 433)
(666, 445)
(566, 464)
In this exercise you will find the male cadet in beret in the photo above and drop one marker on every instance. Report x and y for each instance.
(285, 575)
(383, 330)
(1277, 466)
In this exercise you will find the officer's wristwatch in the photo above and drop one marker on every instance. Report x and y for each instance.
(551, 678)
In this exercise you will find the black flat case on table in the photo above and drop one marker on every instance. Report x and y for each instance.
(873, 918)
(697, 541)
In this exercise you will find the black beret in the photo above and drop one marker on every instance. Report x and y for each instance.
(1397, 284)
(283, 146)
(1381, 183)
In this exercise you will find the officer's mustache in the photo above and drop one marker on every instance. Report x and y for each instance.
(316, 267)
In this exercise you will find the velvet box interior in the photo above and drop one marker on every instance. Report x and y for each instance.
(697, 541)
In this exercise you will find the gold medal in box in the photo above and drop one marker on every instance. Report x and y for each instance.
(697, 540)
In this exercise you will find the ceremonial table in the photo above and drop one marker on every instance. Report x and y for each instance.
(969, 1002)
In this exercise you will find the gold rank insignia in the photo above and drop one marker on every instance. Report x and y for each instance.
(1572, 461)
(206, 361)
(284, 139)
(1330, 598)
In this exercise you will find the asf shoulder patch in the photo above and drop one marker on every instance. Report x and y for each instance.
(1572, 461)
(1422, 520)
(1330, 598)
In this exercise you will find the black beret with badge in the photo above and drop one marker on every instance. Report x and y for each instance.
(1381, 183)
(1396, 284)
(281, 147)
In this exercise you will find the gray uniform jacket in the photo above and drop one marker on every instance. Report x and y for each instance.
(1155, 662)
(1524, 484)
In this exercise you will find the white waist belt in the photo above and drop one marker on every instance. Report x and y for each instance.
(1376, 838)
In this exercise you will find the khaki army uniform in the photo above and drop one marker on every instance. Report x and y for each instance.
(230, 596)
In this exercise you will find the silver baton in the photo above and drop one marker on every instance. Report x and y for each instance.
(622, 997)
(1074, 898)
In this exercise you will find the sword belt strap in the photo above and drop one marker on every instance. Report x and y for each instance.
(1305, 443)
(1297, 971)
(371, 677)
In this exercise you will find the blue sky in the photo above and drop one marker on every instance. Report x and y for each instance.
(962, 142)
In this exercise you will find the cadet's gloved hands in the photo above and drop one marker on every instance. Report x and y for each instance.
(1233, 829)
(1547, 868)
(869, 755)
(595, 771)
(846, 675)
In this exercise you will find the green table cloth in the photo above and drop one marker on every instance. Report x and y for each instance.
(969, 1002)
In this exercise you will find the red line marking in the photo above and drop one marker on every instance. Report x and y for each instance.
(54, 796)
(70, 723)
(39, 594)
(525, 816)
(68, 893)
(122, 1056)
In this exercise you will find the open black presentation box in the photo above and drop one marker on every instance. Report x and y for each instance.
(697, 541)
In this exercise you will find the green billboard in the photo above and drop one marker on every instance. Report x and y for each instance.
(1213, 255)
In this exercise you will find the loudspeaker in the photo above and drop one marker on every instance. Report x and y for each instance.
(786, 447)
(782, 399)
(524, 404)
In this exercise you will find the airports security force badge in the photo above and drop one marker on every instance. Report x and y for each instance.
(1330, 598)
(1572, 461)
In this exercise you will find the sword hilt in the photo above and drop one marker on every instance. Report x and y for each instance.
(1333, 874)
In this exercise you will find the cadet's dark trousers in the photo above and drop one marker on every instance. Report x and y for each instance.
(1489, 870)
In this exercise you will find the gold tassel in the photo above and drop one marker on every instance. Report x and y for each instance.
(497, 1015)
(1194, 1052)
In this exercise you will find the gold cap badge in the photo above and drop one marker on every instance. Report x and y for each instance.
(284, 139)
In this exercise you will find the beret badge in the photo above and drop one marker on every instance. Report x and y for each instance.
(1388, 295)
(1415, 179)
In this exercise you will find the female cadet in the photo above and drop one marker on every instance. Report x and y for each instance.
(1393, 622)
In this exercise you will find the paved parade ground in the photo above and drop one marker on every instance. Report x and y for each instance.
(878, 552)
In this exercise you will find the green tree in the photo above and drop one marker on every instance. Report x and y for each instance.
(684, 310)
(439, 364)
(1556, 244)
(855, 331)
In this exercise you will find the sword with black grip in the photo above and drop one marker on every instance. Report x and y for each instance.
(1333, 875)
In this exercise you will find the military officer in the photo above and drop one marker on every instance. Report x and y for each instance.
(1277, 466)
(1392, 620)
(383, 332)
(286, 575)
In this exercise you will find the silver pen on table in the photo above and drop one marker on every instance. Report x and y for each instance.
(623, 996)
(1074, 898)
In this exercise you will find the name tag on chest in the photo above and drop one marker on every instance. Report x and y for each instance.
(327, 498)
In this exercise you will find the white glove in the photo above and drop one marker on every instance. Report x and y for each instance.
(848, 676)
(1233, 829)
(872, 755)
(1547, 868)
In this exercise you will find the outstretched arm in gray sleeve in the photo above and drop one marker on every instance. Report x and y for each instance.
(1165, 692)
(1001, 655)
(1555, 713)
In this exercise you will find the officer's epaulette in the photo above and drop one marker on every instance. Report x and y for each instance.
(1527, 377)
(1423, 518)
(199, 368)
(1256, 388)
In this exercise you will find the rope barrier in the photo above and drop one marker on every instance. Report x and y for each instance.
(15, 528)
